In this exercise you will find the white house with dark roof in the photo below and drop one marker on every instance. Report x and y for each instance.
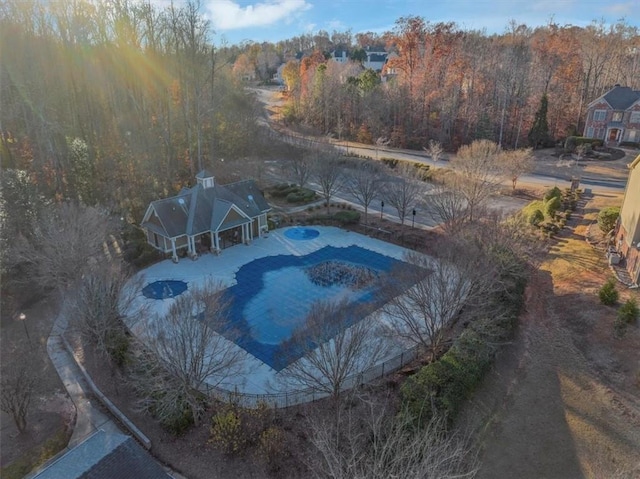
(207, 216)
(614, 117)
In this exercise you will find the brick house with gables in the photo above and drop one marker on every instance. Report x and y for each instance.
(614, 117)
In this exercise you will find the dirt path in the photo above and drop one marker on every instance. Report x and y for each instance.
(564, 399)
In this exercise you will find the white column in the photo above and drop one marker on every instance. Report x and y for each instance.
(173, 248)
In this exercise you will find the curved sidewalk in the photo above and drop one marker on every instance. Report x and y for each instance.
(89, 416)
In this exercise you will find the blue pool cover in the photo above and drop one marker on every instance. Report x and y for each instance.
(301, 233)
(164, 289)
(273, 297)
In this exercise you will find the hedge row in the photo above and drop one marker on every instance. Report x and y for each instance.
(574, 141)
(442, 386)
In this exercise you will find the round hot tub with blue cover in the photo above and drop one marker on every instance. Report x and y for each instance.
(164, 289)
(301, 233)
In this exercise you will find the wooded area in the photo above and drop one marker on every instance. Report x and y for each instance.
(455, 85)
(115, 103)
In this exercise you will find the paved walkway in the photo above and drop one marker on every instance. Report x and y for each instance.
(89, 415)
(89, 418)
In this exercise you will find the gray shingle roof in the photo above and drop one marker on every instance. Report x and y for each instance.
(197, 210)
(105, 456)
(621, 97)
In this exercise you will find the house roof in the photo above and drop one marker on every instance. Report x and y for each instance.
(104, 456)
(198, 209)
(619, 97)
(377, 57)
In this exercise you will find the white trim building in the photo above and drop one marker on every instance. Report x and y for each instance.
(207, 216)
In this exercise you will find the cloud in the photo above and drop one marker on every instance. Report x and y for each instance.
(229, 15)
(622, 9)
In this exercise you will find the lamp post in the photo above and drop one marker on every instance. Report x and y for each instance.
(413, 218)
(23, 318)
(381, 209)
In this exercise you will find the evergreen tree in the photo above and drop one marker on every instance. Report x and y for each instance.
(539, 134)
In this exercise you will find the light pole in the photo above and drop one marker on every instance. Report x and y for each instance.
(23, 318)
(413, 219)
(381, 209)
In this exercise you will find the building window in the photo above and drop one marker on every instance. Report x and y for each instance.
(633, 135)
(635, 117)
(617, 116)
(590, 132)
(599, 115)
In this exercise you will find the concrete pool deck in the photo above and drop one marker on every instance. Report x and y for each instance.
(258, 378)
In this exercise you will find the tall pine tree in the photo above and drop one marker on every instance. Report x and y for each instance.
(539, 133)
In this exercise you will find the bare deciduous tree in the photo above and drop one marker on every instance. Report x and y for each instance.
(381, 444)
(96, 307)
(435, 150)
(458, 277)
(328, 173)
(333, 353)
(403, 191)
(185, 352)
(67, 239)
(299, 168)
(363, 182)
(516, 163)
(478, 174)
(448, 207)
(15, 394)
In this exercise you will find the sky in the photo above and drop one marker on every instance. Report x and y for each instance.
(235, 21)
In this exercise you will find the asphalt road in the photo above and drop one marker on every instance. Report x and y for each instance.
(603, 177)
(610, 177)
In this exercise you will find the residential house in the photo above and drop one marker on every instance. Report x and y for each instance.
(628, 228)
(208, 216)
(614, 117)
(340, 55)
(376, 59)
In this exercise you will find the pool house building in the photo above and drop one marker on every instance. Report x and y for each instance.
(206, 217)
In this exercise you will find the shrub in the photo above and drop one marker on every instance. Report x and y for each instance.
(347, 217)
(574, 141)
(533, 212)
(441, 386)
(607, 218)
(226, 432)
(630, 144)
(608, 294)
(628, 312)
(551, 206)
(552, 193)
(179, 420)
(118, 343)
(390, 162)
(271, 448)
